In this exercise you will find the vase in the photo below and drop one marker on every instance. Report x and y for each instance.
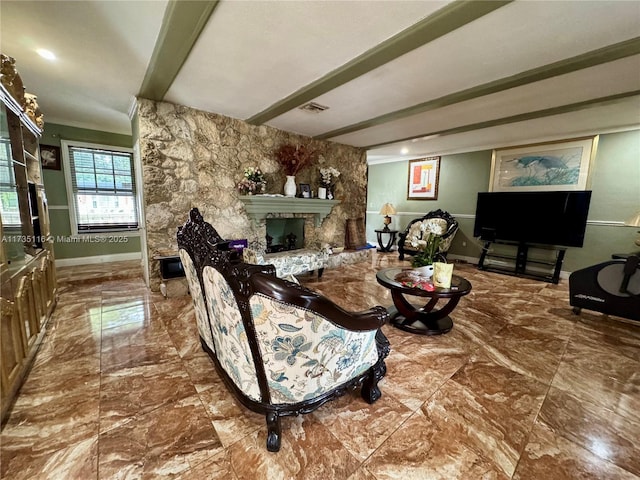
(322, 193)
(424, 271)
(290, 186)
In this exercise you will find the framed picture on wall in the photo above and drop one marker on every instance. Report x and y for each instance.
(424, 174)
(561, 165)
(50, 157)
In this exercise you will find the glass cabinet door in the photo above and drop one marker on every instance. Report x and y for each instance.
(12, 241)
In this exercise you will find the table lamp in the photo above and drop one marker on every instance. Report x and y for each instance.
(387, 210)
(634, 221)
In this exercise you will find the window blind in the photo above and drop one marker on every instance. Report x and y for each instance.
(104, 190)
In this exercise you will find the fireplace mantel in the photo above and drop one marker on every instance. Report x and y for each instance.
(260, 206)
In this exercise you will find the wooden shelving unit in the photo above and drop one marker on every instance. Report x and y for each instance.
(28, 286)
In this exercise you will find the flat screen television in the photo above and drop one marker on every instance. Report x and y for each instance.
(547, 218)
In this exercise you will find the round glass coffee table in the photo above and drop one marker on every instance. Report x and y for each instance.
(425, 320)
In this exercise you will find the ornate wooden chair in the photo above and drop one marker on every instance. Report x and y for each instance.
(282, 349)
(438, 219)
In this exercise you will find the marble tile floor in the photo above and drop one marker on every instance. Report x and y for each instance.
(520, 389)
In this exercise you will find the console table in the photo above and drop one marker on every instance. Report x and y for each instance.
(390, 241)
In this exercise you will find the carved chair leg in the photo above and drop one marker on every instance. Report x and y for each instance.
(274, 435)
(370, 391)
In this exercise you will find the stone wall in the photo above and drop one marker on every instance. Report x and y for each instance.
(192, 158)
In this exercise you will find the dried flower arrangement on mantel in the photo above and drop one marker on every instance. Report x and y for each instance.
(294, 158)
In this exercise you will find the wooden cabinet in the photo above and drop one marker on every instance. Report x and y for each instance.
(28, 287)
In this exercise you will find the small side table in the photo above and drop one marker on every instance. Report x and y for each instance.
(390, 241)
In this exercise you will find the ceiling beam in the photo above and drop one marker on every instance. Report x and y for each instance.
(182, 24)
(547, 112)
(445, 20)
(561, 67)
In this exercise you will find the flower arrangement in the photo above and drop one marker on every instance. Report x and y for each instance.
(327, 175)
(428, 243)
(253, 181)
(294, 158)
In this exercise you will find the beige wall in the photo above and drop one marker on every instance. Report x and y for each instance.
(192, 158)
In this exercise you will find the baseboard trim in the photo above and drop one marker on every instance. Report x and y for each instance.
(118, 257)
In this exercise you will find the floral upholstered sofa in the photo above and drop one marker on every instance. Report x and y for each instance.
(282, 349)
(290, 263)
(436, 221)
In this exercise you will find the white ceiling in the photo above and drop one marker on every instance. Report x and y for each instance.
(252, 55)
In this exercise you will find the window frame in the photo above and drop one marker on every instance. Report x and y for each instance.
(73, 218)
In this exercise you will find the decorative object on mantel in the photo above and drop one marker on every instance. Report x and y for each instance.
(293, 159)
(387, 210)
(290, 186)
(253, 181)
(328, 177)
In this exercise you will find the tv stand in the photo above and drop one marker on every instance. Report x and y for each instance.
(521, 260)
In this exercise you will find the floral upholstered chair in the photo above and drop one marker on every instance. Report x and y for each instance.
(282, 349)
(436, 221)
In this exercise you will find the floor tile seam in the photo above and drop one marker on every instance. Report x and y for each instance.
(136, 416)
(342, 445)
(588, 402)
(121, 372)
(536, 418)
(212, 421)
(525, 373)
(610, 350)
(581, 445)
(418, 411)
(223, 451)
(124, 306)
(471, 446)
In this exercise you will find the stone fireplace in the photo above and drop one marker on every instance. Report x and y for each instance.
(192, 158)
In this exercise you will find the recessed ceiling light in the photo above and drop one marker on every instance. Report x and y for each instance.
(44, 53)
(404, 151)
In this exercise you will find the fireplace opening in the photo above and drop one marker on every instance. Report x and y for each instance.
(284, 234)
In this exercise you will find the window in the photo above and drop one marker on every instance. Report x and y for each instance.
(8, 195)
(101, 186)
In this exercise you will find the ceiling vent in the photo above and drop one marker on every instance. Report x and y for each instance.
(313, 107)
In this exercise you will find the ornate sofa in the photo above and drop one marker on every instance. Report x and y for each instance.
(437, 220)
(282, 349)
(291, 262)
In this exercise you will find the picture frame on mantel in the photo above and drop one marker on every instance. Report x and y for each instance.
(50, 157)
(305, 190)
(547, 166)
(424, 175)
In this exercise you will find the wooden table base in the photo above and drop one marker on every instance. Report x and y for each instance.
(423, 321)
